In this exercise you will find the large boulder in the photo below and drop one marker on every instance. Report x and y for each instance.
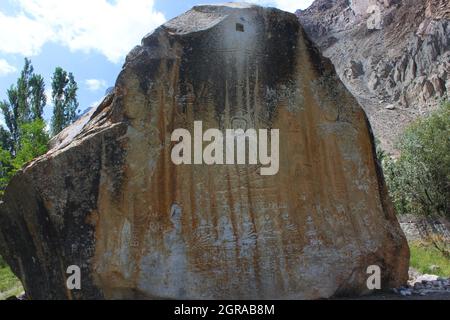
(108, 198)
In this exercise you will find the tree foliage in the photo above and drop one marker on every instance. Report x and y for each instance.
(34, 141)
(64, 96)
(25, 136)
(26, 101)
(419, 180)
(6, 169)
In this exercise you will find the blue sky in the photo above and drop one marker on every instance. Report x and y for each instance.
(89, 38)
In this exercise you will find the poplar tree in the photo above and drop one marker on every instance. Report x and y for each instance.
(64, 98)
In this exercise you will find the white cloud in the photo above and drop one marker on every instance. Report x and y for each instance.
(21, 34)
(95, 84)
(6, 68)
(286, 5)
(109, 27)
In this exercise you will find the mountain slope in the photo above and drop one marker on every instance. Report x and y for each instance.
(393, 55)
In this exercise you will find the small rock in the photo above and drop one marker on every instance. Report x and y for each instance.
(405, 293)
(434, 268)
(426, 278)
(418, 286)
(22, 296)
(436, 284)
(390, 107)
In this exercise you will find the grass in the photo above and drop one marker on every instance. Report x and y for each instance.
(9, 284)
(424, 256)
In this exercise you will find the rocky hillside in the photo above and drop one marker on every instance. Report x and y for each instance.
(393, 55)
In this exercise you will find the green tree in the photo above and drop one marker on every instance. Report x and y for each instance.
(26, 101)
(25, 137)
(38, 98)
(10, 110)
(31, 97)
(34, 141)
(419, 180)
(6, 169)
(64, 96)
(22, 92)
(6, 142)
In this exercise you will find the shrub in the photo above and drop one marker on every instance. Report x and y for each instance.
(2, 263)
(419, 180)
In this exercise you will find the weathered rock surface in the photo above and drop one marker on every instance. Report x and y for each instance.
(417, 228)
(401, 51)
(108, 198)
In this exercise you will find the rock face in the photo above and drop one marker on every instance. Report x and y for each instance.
(401, 48)
(421, 229)
(108, 198)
